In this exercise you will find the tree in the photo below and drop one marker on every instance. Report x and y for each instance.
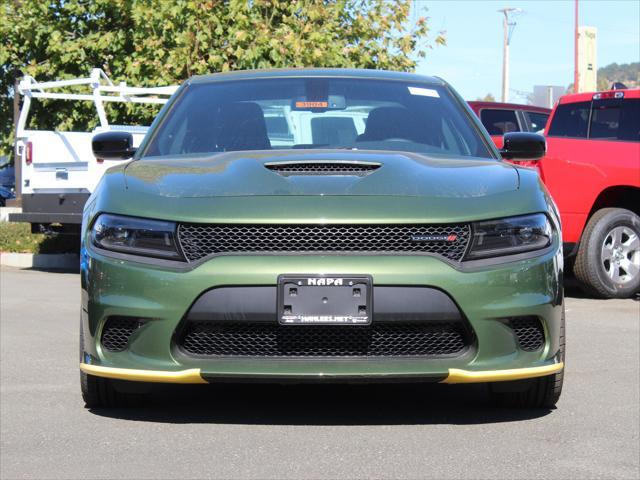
(626, 73)
(487, 98)
(146, 42)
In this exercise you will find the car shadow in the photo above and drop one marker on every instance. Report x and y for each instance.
(321, 404)
(572, 289)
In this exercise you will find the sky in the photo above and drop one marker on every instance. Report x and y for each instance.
(541, 49)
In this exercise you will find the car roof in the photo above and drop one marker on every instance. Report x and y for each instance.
(508, 106)
(588, 96)
(316, 72)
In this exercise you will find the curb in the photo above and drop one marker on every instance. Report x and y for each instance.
(61, 261)
(5, 211)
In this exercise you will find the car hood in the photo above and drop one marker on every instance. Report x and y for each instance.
(235, 174)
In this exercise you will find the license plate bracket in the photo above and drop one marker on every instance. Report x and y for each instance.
(325, 299)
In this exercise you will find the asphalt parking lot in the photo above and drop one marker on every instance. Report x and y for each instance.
(261, 431)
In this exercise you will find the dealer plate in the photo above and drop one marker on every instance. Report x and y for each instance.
(324, 300)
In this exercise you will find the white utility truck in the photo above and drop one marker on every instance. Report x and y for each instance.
(58, 169)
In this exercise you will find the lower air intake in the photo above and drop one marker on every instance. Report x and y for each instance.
(273, 340)
(529, 333)
(117, 331)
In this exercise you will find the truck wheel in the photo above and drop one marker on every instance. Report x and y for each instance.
(542, 392)
(608, 259)
(101, 392)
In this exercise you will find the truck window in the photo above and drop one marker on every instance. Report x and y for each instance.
(616, 120)
(570, 120)
(499, 122)
(333, 131)
(278, 129)
(537, 120)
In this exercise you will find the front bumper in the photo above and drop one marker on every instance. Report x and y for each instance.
(45, 208)
(194, 375)
(486, 294)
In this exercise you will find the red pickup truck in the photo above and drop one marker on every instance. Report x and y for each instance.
(592, 170)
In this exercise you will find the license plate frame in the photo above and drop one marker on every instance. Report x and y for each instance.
(325, 299)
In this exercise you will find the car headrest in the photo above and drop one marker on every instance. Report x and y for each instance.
(242, 127)
(397, 122)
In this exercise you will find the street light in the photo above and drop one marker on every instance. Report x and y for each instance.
(508, 24)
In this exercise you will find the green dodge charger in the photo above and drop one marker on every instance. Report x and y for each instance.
(320, 226)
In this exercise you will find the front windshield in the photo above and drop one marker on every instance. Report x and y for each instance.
(316, 113)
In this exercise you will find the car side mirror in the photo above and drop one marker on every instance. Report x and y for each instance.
(113, 146)
(523, 146)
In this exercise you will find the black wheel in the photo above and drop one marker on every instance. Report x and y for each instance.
(103, 392)
(608, 260)
(542, 392)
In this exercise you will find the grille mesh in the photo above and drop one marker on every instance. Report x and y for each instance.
(200, 240)
(117, 331)
(323, 168)
(529, 332)
(273, 340)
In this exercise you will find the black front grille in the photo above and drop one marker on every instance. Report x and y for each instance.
(201, 240)
(273, 340)
(117, 331)
(323, 168)
(529, 332)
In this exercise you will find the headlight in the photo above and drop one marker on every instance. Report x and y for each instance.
(508, 236)
(136, 236)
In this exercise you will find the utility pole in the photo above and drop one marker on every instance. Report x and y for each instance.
(576, 72)
(508, 24)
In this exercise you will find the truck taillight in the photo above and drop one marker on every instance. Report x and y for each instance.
(526, 163)
(535, 164)
(28, 153)
(606, 95)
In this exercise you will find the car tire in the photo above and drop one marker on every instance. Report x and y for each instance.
(606, 248)
(542, 392)
(101, 392)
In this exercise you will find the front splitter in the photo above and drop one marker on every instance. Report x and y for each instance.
(194, 375)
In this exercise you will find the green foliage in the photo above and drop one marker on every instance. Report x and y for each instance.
(487, 98)
(17, 237)
(627, 73)
(161, 42)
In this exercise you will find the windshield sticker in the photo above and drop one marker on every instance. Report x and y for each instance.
(312, 104)
(424, 92)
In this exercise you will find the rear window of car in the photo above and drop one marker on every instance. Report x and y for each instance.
(610, 119)
(277, 127)
(615, 120)
(537, 120)
(499, 122)
(571, 120)
(333, 130)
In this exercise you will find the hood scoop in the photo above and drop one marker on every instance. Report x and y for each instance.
(289, 169)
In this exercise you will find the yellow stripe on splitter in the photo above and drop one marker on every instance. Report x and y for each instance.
(157, 376)
(467, 376)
